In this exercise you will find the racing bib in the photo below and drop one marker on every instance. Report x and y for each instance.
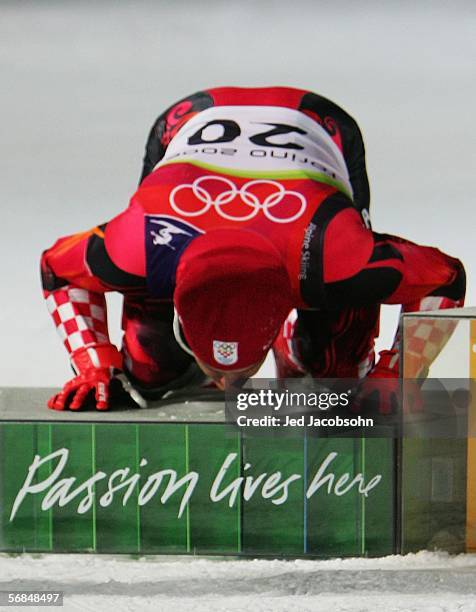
(260, 142)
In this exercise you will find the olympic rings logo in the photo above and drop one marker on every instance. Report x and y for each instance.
(247, 197)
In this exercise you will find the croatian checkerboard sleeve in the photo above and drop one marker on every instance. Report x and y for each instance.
(74, 297)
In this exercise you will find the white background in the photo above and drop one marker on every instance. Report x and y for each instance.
(82, 82)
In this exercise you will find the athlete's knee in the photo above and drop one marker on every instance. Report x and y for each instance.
(151, 353)
(456, 288)
(49, 279)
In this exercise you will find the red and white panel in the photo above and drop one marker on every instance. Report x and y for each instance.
(79, 316)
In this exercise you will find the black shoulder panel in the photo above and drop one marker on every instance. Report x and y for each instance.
(328, 112)
(369, 286)
(167, 125)
(335, 120)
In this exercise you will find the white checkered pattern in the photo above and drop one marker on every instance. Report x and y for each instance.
(425, 338)
(288, 335)
(366, 364)
(79, 316)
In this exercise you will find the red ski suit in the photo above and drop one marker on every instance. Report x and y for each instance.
(286, 163)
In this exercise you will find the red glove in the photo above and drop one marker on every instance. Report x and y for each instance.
(95, 366)
(381, 386)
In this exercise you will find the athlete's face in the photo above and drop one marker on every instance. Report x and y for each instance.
(226, 380)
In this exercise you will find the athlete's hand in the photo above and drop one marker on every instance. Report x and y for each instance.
(383, 392)
(377, 395)
(95, 368)
(378, 392)
(75, 391)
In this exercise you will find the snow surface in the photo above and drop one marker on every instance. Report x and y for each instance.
(422, 582)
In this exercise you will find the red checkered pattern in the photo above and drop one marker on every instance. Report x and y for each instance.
(425, 338)
(79, 316)
(225, 350)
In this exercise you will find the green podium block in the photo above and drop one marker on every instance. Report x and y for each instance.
(177, 479)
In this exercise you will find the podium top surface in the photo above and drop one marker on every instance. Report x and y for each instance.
(182, 406)
(450, 313)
